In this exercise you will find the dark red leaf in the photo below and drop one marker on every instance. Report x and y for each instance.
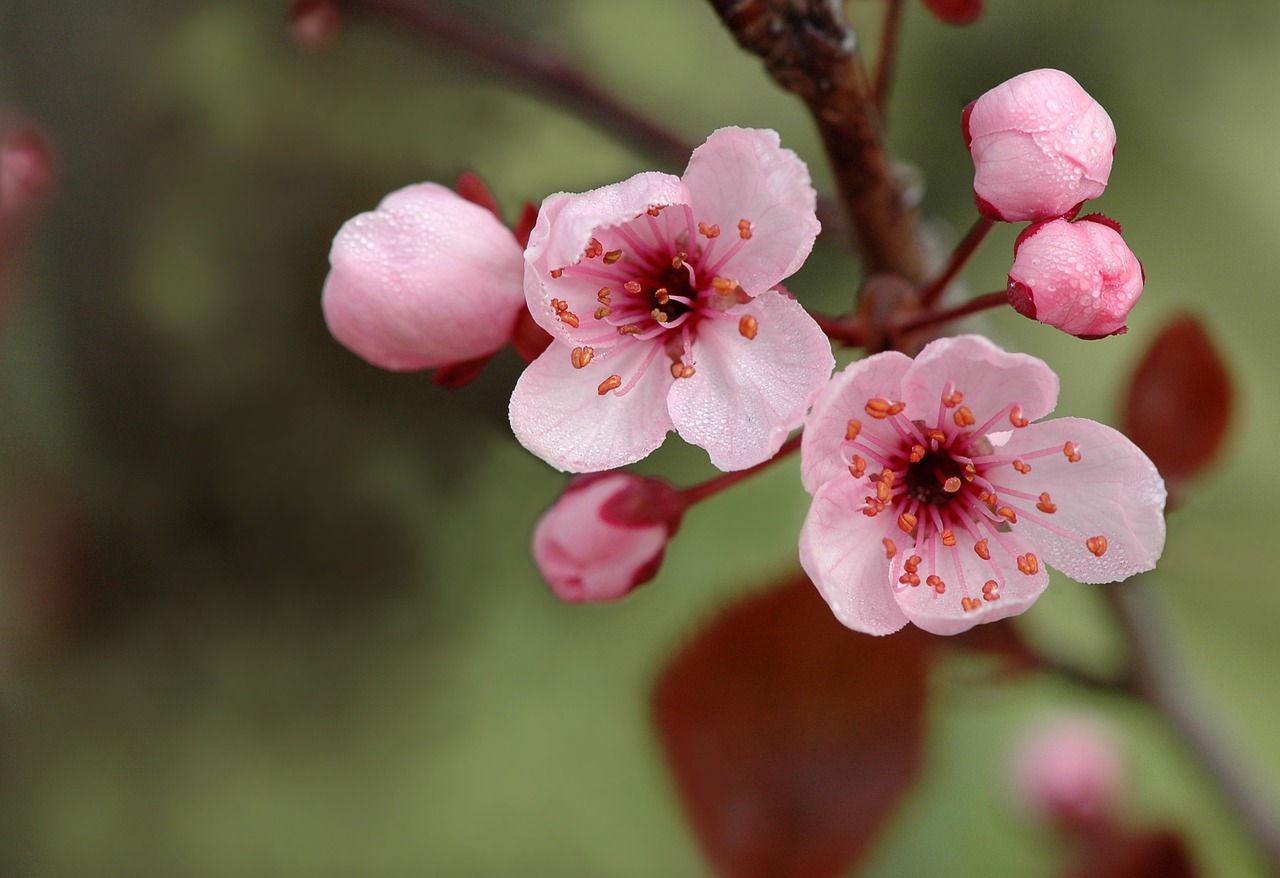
(1154, 855)
(955, 11)
(999, 639)
(1179, 401)
(791, 737)
(472, 188)
(524, 225)
(457, 375)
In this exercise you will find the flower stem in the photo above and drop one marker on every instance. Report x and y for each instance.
(846, 329)
(711, 487)
(933, 318)
(810, 49)
(887, 57)
(933, 290)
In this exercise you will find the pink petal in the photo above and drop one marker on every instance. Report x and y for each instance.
(748, 394)
(743, 173)
(425, 280)
(845, 397)
(567, 222)
(964, 574)
(989, 378)
(841, 551)
(1112, 491)
(557, 413)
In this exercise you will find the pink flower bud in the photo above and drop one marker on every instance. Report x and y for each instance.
(427, 279)
(606, 535)
(1041, 146)
(1068, 769)
(1078, 276)
(26, 168)
(315, 24)
(955, 11)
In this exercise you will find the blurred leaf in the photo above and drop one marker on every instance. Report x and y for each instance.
(1179, 401)
(1153, 855)
(790, 737)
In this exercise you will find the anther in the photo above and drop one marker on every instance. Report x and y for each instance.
(560, 305)
(990, 586)
(629, 329)
(747, 326)
(858, 467)
(851, 432)
(594, 249)
(1016, 418)
(890, 548)
(556, 273)
(969, 472)
(917, 453)
(936, 436)
(981, 548)
(936, 583)
(744, 229)
(910, 579)
(709, 231)
(948, 537)
(963, 417)
(612, 256)
(951, 400)
(680, 370)
(1072, 451)
(613, 382)
(602, 312)
(1097, 545)
(884, 491)
(912, 564)
(951, 485)
(581, 356)
(1029, 564)
(1007, 514)
(906, 522)
(661, 295)
(677, 261)
(659, 315)
(988, 498)
(568, 317)
(969, 604)
(632, 286)
(1047, 506)
(882, 408)
(603, 296)
(655, 211)
(1022, 466)
(723, 285)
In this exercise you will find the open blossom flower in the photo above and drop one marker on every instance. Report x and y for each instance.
(660, 294)
(427, 279)
(605, 535)
(1078, 276)
(937, 501)
(1040, 145)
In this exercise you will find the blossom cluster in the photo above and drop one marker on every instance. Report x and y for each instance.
(939, 496)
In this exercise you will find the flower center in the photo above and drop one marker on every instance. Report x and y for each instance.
(928, 478)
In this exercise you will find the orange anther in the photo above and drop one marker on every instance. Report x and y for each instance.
(858, 467)
(888, 476)
(990, 586)
(581, 356)
(603, 296)
(709, 231)
(559, 305)
(987, 497)
(629, 329)
(1029, 564)
(884, 491)
(1072, 451)
(612, 256)
(1016, 418)
(912, 564)
(1022, 466)
(1007, 514)
(632, 286)
(852, 430)
(594, 249)
(678, 260)
(951, 400)
(662, 296)
(906, 522)
(890, 548)
(747, 326)
(963, 417)
(1097, 545)
(948, 537)
(991, 596)
(882, 408)
(568, 317)
(909, 579)
(659, 315)
(654, 211)
(613, 382)
(936, 583)
(981, 548)
(917, 453)
(873, 508)
(1047, 506)
(723, 285)
(969, 604)
(556, 272)
(951, 485)
(744, 229)
(603, 311)
(969, 472)
(936, 436)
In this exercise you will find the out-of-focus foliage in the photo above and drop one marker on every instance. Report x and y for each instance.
(306, 639)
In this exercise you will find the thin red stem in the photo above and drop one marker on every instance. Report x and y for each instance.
(846, 329)
(933, 318)
(933, 290)
(888, 57)
(711, 487)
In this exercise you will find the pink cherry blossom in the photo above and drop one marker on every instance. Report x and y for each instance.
(1078, 276)
(1040, 145)
(660, 292)
(1069, 767)
(937, 501)
(427, 279)
(605, 535)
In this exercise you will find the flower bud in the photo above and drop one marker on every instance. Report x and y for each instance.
(1078, 276)
(427, 279)
(606, 535)
(1041, 146)
(955, 11)
(1068, 769)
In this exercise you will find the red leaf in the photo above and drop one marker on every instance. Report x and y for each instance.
(1154, 855)
(790, 736)
(472, 188)
(1179, 401)
(955, 11)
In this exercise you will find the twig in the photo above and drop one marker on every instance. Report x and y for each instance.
(714, 486)
(933, 318)
(977, 232)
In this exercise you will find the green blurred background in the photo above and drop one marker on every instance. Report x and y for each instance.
(268, 611)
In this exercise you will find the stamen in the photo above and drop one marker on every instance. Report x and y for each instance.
(882, 408)
(890, 548)
(859, 467)
(632, 286)
(613, 382)
(709, 231)
(1097, 545)
(723, 285)
(884, 489)
(1072, 451)
(907, 522)
(662, 295)
(580, 356)
(603, 296)
(595, 248)
(951, 400)
(910, 579)
(656, 210)
(1007, 514)
(936, 583)
(1029, 564)
(1022, 467)
(917, 453)
(612, 256)
(851, 432)
(970, 604)
(659, 315)
(948, 537)
(963, 417)
(912, 564)
(677, 261)
(951, 485)
(1046, 505)
(680, 370)
(1016, 418)
(568, 317)
(556, 273)
(603, 311)
(747, 326)
(981, 548)
(629, 329)
(744, 229)
(990, 590)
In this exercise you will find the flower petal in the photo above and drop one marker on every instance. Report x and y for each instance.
(964, 574)
(1113, 491)
(749, 393)
(845, 397)
(990, 378)
(841, 551)
(425, 280)
(744, 173)
(558, 414)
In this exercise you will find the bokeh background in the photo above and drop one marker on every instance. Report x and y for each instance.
(266, 610)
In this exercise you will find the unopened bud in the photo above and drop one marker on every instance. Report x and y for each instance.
(1068, 769)
(315, 24)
